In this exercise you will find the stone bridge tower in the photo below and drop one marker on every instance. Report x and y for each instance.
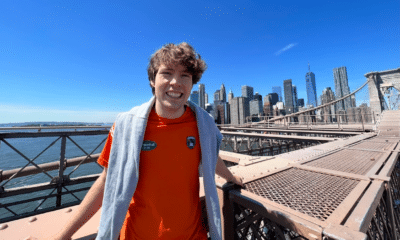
(378, 83)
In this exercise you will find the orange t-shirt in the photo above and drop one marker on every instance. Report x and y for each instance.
(166, 202)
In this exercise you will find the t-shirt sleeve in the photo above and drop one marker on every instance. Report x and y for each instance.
(105, 154)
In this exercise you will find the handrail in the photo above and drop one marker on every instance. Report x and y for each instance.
(53, 127)
(58, 182)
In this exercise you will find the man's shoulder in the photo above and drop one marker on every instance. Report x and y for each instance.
(139, 111)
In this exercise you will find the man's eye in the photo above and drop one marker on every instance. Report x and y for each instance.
(186, 75)
(166, 73)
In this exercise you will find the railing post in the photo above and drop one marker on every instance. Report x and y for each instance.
(61, 171)
(235, 148)
(373, 114)
(228, 214)
(362, 120)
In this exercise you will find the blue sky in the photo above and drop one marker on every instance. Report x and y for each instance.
(86, 61)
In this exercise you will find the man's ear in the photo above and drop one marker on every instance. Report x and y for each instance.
(152, 83)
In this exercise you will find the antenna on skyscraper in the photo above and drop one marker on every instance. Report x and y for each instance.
(309, 67)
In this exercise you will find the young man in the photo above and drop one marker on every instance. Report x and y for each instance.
(150, 185)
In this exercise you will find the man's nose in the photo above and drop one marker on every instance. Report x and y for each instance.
(176, 80)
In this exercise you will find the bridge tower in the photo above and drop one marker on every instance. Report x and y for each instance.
(378, 83)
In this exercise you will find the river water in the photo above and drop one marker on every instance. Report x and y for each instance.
(31, 147)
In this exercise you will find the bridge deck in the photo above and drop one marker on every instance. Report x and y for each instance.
(344, 189)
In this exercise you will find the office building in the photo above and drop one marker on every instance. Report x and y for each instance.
(209, 107)
(288, 90)
(311, 89)
(300, 103)
(268, 106)
(230, 96)
(194, 97)
(257, 96)
(222, 112)
(238, 110)
(328, 111)
(273, 98)
(278, 90)
(256, 107)
(205, 98)
(247, 92)
(342, 88)
(202, 92)
(222, 93)
(217, 95)
(294, 88)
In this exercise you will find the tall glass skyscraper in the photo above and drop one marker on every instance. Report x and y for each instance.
(287, 88)
(342, 88)
(202, 92)
(311, 88)
(278, 90)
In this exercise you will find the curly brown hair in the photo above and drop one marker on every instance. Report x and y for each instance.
(182, 54)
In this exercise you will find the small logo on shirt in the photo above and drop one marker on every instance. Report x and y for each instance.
(190, 142)
(148, 145)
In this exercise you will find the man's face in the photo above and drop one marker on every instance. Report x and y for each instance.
(173, 85)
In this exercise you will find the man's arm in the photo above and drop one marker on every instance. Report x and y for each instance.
(88, 207)
(222, 171)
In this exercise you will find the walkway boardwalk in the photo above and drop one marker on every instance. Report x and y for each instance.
(345, 189)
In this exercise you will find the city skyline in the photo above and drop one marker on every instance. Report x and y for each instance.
(86, 62)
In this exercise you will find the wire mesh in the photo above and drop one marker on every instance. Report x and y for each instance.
(351, 161)
(311, 193)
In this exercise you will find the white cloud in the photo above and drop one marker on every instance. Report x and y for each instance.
(285, 49)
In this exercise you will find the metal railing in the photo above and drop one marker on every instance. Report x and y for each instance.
(339, 121)
(58, 183)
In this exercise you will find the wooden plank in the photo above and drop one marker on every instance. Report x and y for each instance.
(348, 203)
(362, 214)
(332, 172)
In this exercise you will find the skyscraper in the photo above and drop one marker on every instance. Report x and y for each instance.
(247, 92)
(278, 90)
(288, 90)
(222, 93)
(311, 89)
(194, 97)
(342, 87)
(230, 96)
(205, 98)
(300, 102)
(217, 95)
(202, 92)
(294, 88)
(257, 96)
(326, 97)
